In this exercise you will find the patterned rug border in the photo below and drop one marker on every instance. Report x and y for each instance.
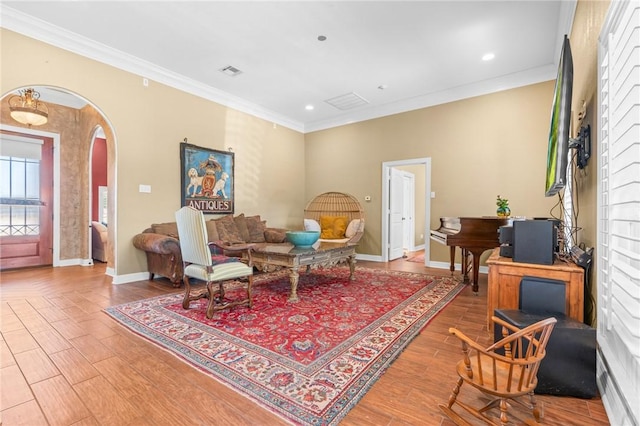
(279, 406)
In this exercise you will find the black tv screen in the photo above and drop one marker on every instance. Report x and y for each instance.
(558, 148)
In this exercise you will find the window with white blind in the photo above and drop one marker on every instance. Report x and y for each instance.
(618, 251)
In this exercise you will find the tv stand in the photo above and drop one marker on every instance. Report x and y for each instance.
(503, 290)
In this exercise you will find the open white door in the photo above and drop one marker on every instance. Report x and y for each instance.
(396, 209)
(409, 202)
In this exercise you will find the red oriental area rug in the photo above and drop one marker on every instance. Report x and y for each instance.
(311, 361)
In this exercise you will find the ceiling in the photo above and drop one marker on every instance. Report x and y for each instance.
(378, 58)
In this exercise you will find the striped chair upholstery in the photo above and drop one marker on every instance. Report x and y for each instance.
(196, 256)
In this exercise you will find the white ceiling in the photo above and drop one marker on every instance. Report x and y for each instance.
(423, 52)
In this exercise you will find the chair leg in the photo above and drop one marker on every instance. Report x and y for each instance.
(448, 411)
(455, 392)
(535, 408)
(503, 411)
(250, 291)
(188, 297)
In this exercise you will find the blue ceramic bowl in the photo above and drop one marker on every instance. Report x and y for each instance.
(303, 238)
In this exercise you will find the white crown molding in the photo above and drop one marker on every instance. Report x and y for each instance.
(485, 87)
(35, 28)
(59, 37)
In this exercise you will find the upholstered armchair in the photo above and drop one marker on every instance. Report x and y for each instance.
(99, 241)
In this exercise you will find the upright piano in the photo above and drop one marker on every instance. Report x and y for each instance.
(473, 235)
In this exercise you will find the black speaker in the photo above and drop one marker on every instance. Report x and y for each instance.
(505, 234)
(534, 241)
(506, 251)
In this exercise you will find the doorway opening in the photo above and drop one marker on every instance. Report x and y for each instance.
(394, 182)
(72, 144)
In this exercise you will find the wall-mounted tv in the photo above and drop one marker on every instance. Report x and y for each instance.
(558, 148)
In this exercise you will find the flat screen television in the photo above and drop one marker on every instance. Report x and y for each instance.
(558, 148)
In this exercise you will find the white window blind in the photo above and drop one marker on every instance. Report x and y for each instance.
(618, 254)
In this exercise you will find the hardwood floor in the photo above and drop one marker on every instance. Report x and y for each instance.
(64, 362)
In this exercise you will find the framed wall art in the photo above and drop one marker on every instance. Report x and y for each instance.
(207, 179)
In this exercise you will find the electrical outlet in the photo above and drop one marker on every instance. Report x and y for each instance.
(144, 188)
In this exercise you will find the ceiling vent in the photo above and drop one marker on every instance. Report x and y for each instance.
(347, 101)
(230, 70)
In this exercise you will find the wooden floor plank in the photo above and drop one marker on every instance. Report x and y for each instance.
(27, 414)
(110, 375)
(36, 365)
(15, 389)
(60, 404)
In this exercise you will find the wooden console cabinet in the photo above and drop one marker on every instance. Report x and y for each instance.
(503, 290)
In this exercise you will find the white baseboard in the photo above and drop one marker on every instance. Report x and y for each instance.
(69, 262)
(128, 278)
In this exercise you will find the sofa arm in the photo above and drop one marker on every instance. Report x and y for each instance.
(158, 243)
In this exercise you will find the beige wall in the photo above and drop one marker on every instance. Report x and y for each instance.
(479, 148)
(148, 124)
(587, 25)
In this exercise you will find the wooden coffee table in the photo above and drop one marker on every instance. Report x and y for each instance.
(265, 257)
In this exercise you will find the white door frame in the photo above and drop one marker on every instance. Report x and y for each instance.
(426, 161)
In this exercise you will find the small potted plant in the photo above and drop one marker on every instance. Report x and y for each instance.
(503, 207)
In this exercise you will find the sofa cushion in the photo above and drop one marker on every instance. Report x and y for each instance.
(275, 235)
(212, 231)
(256, 228)
(169, 228)
(333, 227)
(241, 223)
(312, 225)
(228, 230)
(354, 227)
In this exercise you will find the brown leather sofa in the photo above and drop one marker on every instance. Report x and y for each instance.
(161, 245)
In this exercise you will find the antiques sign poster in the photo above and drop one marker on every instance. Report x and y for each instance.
(207, 179)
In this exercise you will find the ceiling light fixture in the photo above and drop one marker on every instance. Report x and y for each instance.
(309, 107)
(488, 57)
(27, 109)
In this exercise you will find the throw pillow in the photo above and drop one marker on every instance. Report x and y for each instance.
(241, 223)
(228, 230)
(212, 231)
(353, 228)
(273, 235)
(169, 228)
(333, 227)
(256, 229)
(311, 225)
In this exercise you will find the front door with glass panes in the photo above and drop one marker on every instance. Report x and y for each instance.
(26, 200)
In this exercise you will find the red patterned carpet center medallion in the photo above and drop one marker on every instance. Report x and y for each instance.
(311, 361)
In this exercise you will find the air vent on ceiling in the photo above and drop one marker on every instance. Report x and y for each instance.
(347, 101)
(230, 70)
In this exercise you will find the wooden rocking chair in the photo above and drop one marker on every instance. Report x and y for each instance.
(506, 370)
(198, 263)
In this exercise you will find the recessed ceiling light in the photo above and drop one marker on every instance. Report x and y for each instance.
(309, 107)
(488, 57)
(322, 38)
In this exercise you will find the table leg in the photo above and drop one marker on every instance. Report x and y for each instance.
(294, 276)
(352, 266)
